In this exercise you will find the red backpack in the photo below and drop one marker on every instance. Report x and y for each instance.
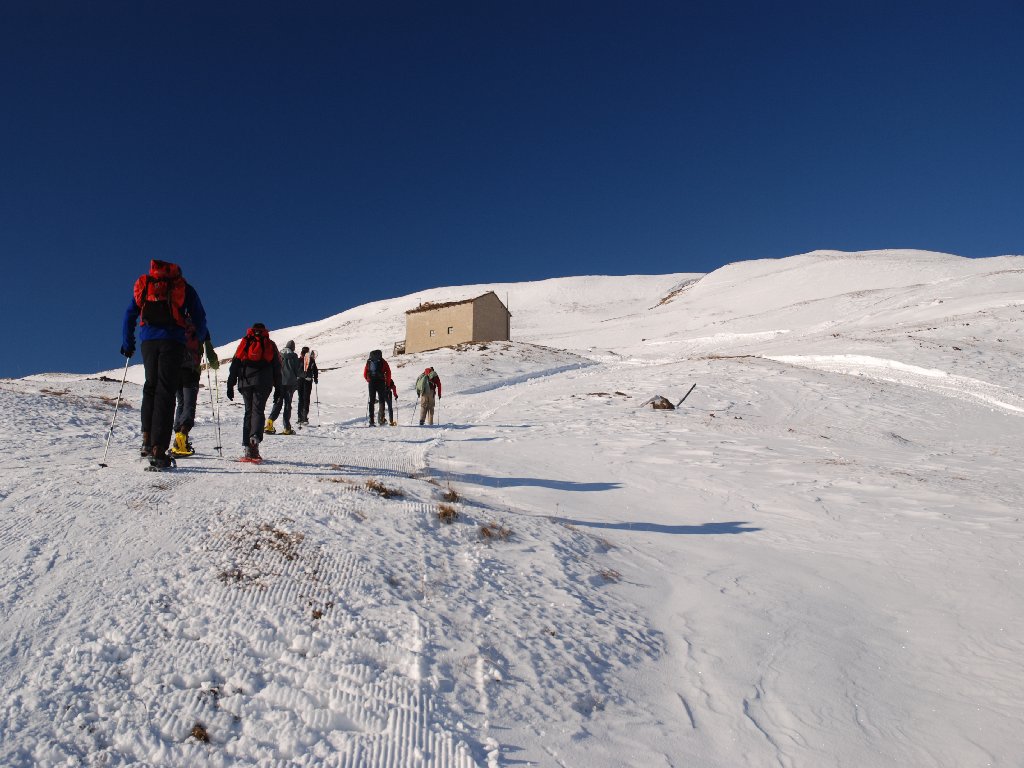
(160, 295)
(256, 347)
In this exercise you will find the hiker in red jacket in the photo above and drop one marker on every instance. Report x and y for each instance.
(392, 395)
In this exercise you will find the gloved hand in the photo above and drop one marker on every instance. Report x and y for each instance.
(128, 351)
(231, 392)
(211, 356)
(316, 381)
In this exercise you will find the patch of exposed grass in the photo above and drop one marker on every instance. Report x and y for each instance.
(377, 487)
(199, 733)
(447, 513)
(610, 574)
(450, 495)
(495, 531)
(284, 543)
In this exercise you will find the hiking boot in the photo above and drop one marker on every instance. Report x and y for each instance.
(159, 460)
(269, 429)
(147, 450)
(287, 431)
(254, 449)
(394, 423)
(181, 446)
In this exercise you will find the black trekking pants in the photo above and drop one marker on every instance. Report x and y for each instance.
(255, 399)
(305, 390)
(161, 359)
(378, 393)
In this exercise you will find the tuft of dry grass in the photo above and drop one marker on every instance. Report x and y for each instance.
(342, 480)
(610, 574)
(284, 543)
(450, 495)
(447, 513)
(495, 531)
(377, 487)
(199, 733)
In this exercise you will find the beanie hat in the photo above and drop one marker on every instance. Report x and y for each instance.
(305, 350)
(290, 345)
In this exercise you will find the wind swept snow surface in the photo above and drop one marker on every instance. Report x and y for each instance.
(815, 561)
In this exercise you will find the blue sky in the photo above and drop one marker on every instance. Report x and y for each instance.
(298, 159)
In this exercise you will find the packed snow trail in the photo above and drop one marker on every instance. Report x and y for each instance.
(232, 614)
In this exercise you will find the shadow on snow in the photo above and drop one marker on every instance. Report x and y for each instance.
(512, 482)
(715, 529)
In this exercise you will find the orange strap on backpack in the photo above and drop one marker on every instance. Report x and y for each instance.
(160, 295)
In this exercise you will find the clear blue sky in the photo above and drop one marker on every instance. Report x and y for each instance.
(298, 158)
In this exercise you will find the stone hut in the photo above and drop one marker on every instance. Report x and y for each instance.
(443, 324)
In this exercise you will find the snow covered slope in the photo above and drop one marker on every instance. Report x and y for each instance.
(815, 561)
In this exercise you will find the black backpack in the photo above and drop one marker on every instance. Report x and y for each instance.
(375, 366)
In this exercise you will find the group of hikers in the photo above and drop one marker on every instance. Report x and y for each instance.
(259, 367)
(174, 337)
(382, 390)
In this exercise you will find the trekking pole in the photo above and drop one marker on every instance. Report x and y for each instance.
(316, 390)
(216, 409)
(220, 440)
(117, 403)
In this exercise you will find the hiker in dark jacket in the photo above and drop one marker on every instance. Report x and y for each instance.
(291, 367)
(377, 373)
(188, 389)
(308, 376)
(162, 302)
(256, 369)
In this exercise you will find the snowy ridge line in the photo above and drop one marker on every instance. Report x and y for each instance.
(930, 379)
(523, 378)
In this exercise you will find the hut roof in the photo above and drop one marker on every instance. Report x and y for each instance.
(427, 306)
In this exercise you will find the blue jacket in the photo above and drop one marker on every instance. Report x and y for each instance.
(147, 332)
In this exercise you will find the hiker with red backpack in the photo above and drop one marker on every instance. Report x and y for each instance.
(377, 373)
(162, 305)
(188, 388)
(256, 369)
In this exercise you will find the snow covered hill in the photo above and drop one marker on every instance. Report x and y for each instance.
(815, 561)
